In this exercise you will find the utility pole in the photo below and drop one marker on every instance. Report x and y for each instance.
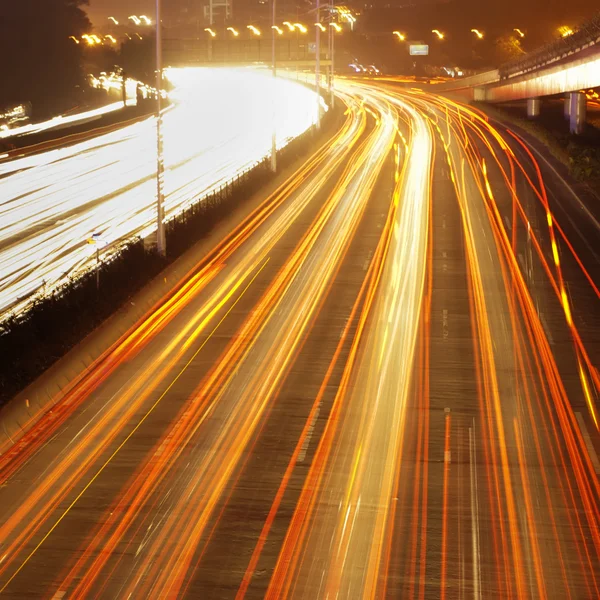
(274, 98)
(318, 65)
(330, 52)
(333, 29)
(161, 244)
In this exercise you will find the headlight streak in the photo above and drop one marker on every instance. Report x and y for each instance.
(341, 233)
(408, 227)
(369, 479)
(62, 120)
(531, 354)
(53, 201)
(158, 583)
(152, 375)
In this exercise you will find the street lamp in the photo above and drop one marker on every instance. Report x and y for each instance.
(521, 34)
(209, 30)
(146, 20)
(477, 33)
(289, 25)
(400, 36)
(135, 19)
(113, 20)
(256, 32)
(234, 31)
(320, 26)
(301, 28)
(346, 15)
(438, 33)
(278, 29)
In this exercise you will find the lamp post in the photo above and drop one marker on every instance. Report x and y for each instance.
(161, 244)
(300, 29)
(212, 34)
(318, 65)
(333, 29)
(329, 52)
(273, 59)
(256, 32)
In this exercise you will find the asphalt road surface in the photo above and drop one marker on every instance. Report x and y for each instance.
(383, 383)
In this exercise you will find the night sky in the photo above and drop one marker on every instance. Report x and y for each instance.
(525, 11)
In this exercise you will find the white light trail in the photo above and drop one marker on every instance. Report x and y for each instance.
(50, 203)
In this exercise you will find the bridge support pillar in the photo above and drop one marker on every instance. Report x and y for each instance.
(567, 106)
(533, 107)
(577, 112)
(479, 94)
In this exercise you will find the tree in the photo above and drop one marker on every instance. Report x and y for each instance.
(39, 61)
(508, 47)
(138, 58)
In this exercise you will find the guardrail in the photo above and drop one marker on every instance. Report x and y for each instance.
(588, 34)
(485, 78)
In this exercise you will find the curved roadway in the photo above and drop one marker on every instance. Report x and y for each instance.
(382, 383)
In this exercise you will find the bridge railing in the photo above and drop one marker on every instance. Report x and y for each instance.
(588, 34)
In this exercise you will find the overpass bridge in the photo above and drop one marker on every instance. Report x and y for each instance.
(566, 67)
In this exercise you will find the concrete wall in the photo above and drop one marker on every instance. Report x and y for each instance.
(464, 84)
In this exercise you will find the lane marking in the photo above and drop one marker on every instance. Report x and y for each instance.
(447, 451)
(474, 516)
(309, 434)
(445, 329)
(133, 431)
(588, 442)
(546, 327)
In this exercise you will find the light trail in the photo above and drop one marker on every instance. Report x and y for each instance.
(61, 121)
(152, 374)
(436, 448)
(52, 202)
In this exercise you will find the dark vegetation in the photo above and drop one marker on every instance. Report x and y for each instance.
(38, 60)
(42, 64)
(373, 42)
(579, 153)
(34, 341)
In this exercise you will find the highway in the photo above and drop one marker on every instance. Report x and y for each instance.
(382, 382)
(52, 202)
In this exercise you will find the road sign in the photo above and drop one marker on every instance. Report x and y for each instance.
(419, 50)
(97, 240)
(312, 47)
